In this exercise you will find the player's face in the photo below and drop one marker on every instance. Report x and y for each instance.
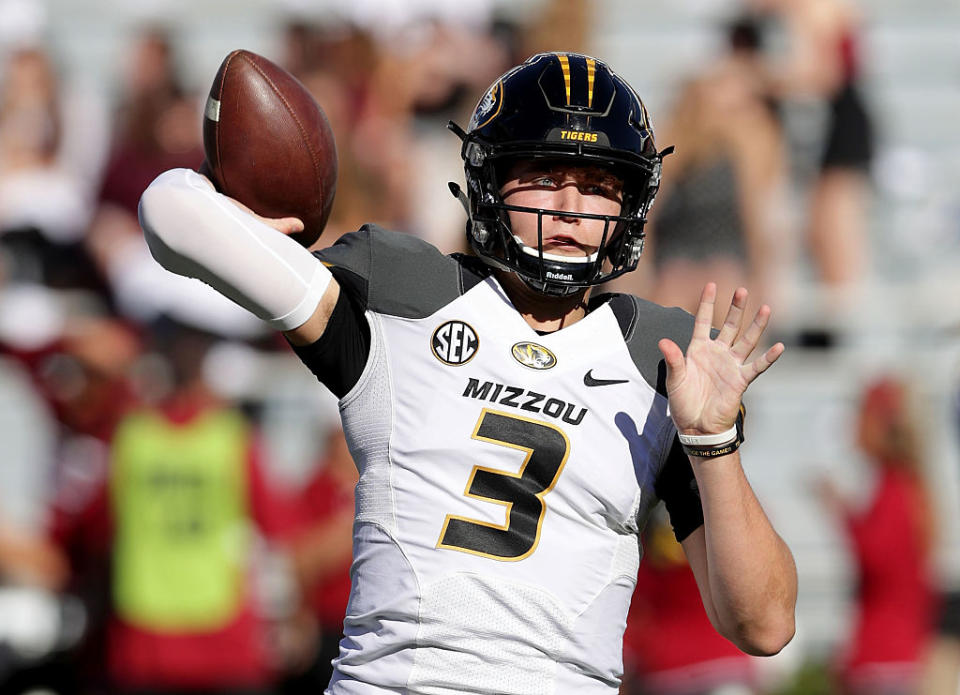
(564, 187)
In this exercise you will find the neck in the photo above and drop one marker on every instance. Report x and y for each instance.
(542, 312)
(190, 400)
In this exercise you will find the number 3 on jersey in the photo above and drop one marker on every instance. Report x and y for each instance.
(547, 448)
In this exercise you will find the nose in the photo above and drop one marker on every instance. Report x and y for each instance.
(569, 199)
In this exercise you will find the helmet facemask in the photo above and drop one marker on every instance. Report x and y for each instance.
(492, 238)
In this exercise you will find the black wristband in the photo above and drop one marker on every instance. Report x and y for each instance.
(724, 449)
(708, 452)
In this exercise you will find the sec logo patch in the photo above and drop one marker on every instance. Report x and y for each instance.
(454, 343)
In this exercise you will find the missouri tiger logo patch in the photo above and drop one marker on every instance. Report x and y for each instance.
(533, 355)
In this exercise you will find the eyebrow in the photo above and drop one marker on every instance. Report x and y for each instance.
(599, 173)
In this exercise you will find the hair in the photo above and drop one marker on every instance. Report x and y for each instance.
(184, 348)
(887, 426)
(889, 434)
(744, 33)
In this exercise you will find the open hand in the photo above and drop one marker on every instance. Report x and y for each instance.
(705, 386)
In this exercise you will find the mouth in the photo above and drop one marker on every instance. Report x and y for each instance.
(561, 249)
(565, 245)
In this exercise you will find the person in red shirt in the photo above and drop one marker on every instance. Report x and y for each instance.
(891, 540)
(670, 647)
(172, 513)
(322, 549)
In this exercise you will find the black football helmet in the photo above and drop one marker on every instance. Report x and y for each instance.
(566, 107)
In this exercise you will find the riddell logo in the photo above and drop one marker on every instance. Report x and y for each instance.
(559, 276)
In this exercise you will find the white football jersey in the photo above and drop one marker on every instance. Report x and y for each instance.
(504, 479)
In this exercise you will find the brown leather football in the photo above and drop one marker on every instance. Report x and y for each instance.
(268, 143)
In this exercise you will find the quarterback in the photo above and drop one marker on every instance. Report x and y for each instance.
(512, 429)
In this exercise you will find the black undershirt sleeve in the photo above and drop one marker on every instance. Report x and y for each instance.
(339, 356)
(678, 489)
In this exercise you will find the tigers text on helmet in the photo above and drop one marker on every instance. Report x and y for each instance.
(563, 107)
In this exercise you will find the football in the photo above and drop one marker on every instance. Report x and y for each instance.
(268, 143)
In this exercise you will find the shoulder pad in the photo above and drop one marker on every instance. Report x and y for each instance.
(394, 273)
(643, 325)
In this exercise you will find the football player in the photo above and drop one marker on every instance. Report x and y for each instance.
(512, 430)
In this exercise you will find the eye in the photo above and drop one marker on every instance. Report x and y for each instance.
(607, 190)
(545, 180)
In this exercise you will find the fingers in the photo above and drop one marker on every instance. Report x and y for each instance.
(676, 363)
(762, 363)
(287, 225)
(733, 322)
(284, 225)
(748, 341)
(703, 321)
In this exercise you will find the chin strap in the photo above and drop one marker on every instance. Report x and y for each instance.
(550, 289)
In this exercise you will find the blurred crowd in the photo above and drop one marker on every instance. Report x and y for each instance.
(171, 552)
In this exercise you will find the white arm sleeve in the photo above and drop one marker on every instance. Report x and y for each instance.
(194, 231)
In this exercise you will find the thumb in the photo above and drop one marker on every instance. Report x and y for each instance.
(676, 364)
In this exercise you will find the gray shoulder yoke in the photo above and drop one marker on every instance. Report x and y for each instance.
(643, 324)
(402, 275)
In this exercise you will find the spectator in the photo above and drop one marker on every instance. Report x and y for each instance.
(157, 121)
(714, 216)
(942, 665)
(157, 129)
(80, 367)
(323, 550)
(25, 559)
(825, 61)
(670, 647)
(338, 67)
(891, 540)
(942, 668)
(172, 511)
(44, 202)
(437, 78)
(561, 25)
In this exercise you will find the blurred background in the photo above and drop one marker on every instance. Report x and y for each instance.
(175, 494)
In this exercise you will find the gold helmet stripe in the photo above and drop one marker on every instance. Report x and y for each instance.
(591, 69)
(565, 66)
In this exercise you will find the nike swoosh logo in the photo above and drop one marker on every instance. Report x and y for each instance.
(589, 380)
